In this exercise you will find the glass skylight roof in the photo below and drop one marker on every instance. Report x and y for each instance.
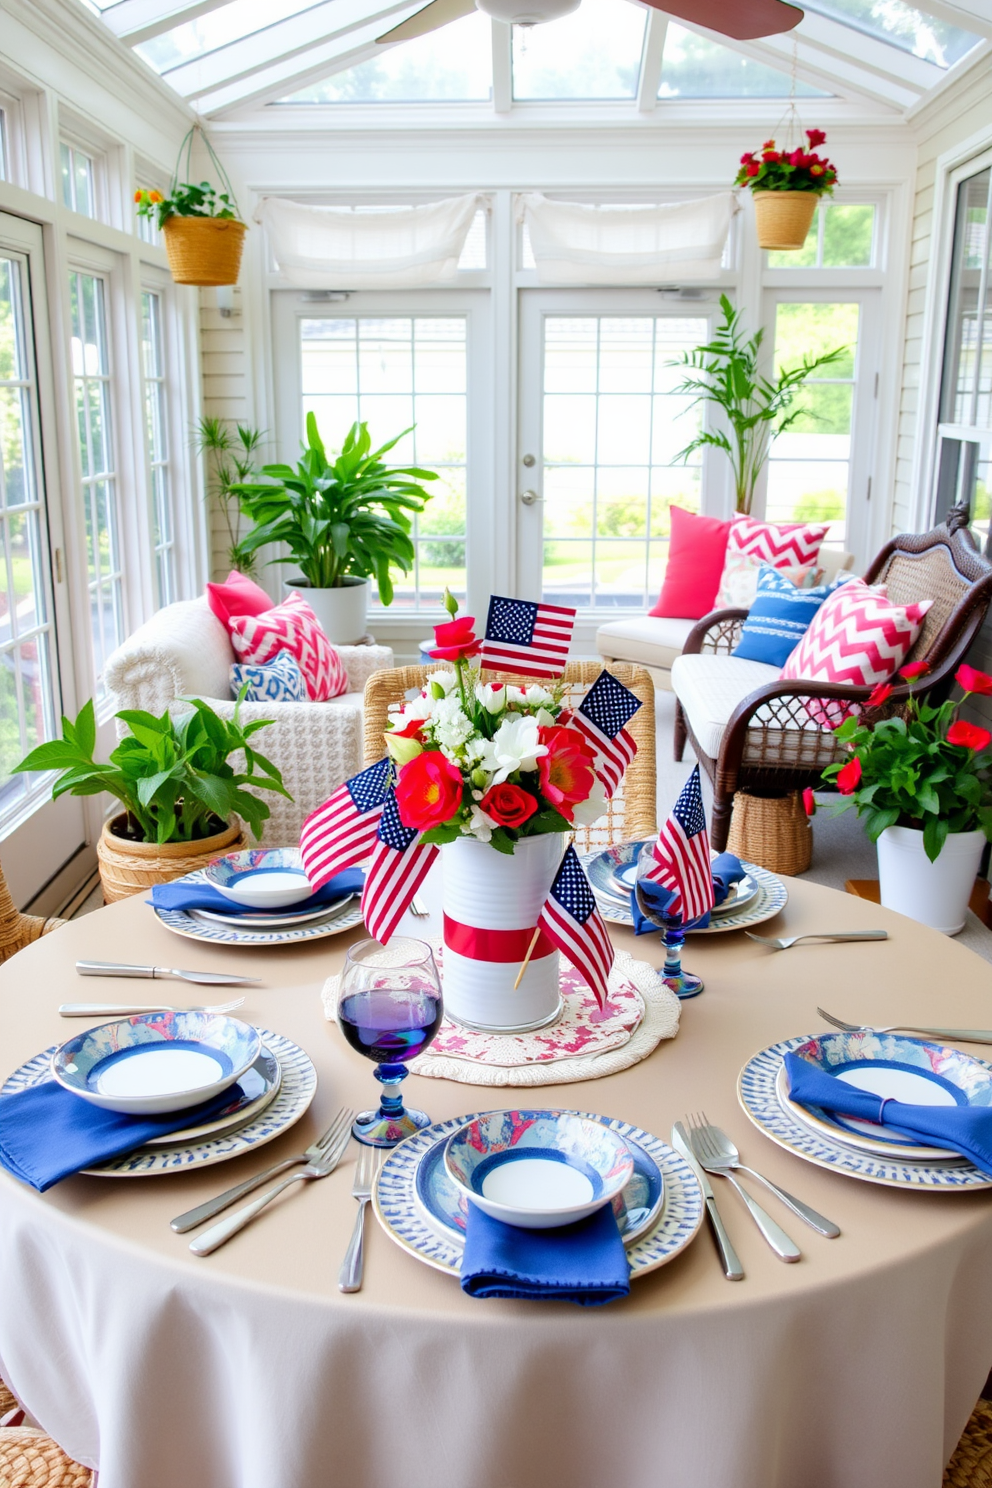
(695, 67)
(913, 30)
(593, 53)
(215, 29)
(451, 65)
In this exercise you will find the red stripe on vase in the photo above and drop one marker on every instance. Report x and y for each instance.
(494, 945)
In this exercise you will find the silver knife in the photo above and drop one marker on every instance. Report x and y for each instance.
(119, 969)
(729, 1259)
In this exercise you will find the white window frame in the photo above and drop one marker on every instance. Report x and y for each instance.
(76, 146)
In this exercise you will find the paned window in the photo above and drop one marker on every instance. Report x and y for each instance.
(593, 53)
(147, 228)
(157, 447)
(4, 167)
(91, 379)
(841, 236)
(451, 65)
(613, 425)
(693, 66)
(394, 372)
(78, 180)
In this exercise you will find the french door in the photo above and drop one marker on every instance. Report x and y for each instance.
(37, 836)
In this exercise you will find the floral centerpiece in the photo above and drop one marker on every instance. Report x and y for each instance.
(786, 186)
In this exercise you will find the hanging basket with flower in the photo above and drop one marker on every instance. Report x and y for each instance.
(786, 186)
(204, 235)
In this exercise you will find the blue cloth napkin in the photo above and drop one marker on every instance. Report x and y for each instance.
(46, 1132)
(964, 1129)
(181, 894)
(726, 870)
(583, 1263)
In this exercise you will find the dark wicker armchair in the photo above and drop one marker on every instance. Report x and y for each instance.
(769, 745)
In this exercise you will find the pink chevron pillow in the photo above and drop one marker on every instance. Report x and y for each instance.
(292, 626)
(857, 635)
(752, 543)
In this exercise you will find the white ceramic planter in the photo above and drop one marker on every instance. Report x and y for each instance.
(342, 612)
(934, 894)
(491, 903)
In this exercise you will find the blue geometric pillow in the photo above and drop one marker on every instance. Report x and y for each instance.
(778, 619)
(278, 681)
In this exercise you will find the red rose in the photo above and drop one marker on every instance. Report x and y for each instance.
(753, 168)
(508, 804)
(914, 670)
(809, 801)
(968, 735)
(565, 772)
(880, 694)
(815, 137)
(972, 680)
(428, 791)
(455, 640)
(847, 780)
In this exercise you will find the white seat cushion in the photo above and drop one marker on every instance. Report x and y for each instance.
(647, 640)
(710, 688)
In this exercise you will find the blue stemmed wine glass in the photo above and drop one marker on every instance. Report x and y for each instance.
(389, 1009)
(647, 893)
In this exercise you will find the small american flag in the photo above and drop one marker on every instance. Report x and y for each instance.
(601, 718)
(682, 854)
(528, 638)
(570, 918)
(343, 830)
(397, 869)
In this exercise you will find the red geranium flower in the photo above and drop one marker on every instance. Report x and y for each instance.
(428, 791)
(745, 160)
(768, 145)
(508, 804)
(455, 640)
(880, 694)
(565, 772)
(816, 170)
(770, 155)
(847, 780)
(914, 670)
(968, 735)
(809, 801)
(973, 681)
(815, 137)
(753, 168)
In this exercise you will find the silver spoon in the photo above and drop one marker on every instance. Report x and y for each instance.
(775, 944)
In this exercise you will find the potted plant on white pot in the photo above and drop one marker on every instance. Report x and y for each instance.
(344, 521)
(923, 783)
(181, 796)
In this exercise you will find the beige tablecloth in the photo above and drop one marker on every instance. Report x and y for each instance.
(856, 1368)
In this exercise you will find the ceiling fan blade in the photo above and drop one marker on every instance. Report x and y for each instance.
(744, 20)
(433, 16)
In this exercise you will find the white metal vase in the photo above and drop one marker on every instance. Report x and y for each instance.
(491, 903)
(934, 894)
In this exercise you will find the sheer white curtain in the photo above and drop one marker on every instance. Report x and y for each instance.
(575, 243)
(327, 248)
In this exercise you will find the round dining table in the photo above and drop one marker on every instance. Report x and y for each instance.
(856, 1367)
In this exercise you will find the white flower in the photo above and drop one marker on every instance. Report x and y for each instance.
(450, 726)
(533, 696)
(418, 707)
(514, 746)
(480, 825)
(492, 698)
(544, 719)
(584, 813)
(446, 679)
(476, 749)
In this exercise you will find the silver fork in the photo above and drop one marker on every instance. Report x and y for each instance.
(727, 1155)
(419, 908)
(967, 1035)
(776, 943)
(353, 1265)
(317, 1167)
(122, 1009)
(708, 1156)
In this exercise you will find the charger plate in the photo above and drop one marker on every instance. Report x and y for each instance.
(758, 1095)
(299, 1084)
(401, 1214)
(183, 922)
(769, 900)
(270, 920)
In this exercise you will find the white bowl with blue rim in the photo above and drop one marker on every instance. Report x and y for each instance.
(260, 878)
(538, 1169)
(155, 1063)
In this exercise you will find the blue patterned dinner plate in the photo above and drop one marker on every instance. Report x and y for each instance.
(769, 898)
(184, 922)
(436, 1239)
(758, 1095)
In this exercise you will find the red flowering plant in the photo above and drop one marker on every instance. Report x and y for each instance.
(801, 169)
(928, 769)
(486, 759)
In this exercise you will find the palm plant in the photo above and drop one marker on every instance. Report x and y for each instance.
(727, 372)
(233, 455)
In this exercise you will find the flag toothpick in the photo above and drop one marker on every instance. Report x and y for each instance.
(526, 961)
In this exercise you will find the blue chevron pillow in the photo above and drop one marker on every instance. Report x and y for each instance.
(277, 681)
(778, 619)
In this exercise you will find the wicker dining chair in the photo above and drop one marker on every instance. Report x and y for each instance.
(31, 1459)
(631, 814)
(18, 930)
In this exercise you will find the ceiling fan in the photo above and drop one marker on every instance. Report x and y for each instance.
(744, 20)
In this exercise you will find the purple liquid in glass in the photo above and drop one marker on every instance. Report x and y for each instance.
(390, 1026)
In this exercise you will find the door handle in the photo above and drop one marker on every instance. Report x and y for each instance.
(530, 497)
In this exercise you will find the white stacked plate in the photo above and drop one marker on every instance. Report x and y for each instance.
(257, 928)
(758, 897)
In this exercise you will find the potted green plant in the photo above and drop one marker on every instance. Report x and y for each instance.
(786, 186)
(203, 231)
(173, 776)
(343, 520)
(727, 373)
(923, 783)
(233, 461)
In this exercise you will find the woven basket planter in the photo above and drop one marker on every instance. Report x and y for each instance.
(772, 831)
(783, 217)
(129, 867)
(204, 250)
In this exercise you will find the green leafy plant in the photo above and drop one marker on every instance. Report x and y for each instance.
(789, 170)
(232, 455)
(727, 373)
(186, 200)
(930, 770)
(171, 775)
(349, 517)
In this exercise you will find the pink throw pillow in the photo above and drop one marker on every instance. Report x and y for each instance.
(238, 595)
(696, 555)
(292, 626)
(858, 635)
(752, 543)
